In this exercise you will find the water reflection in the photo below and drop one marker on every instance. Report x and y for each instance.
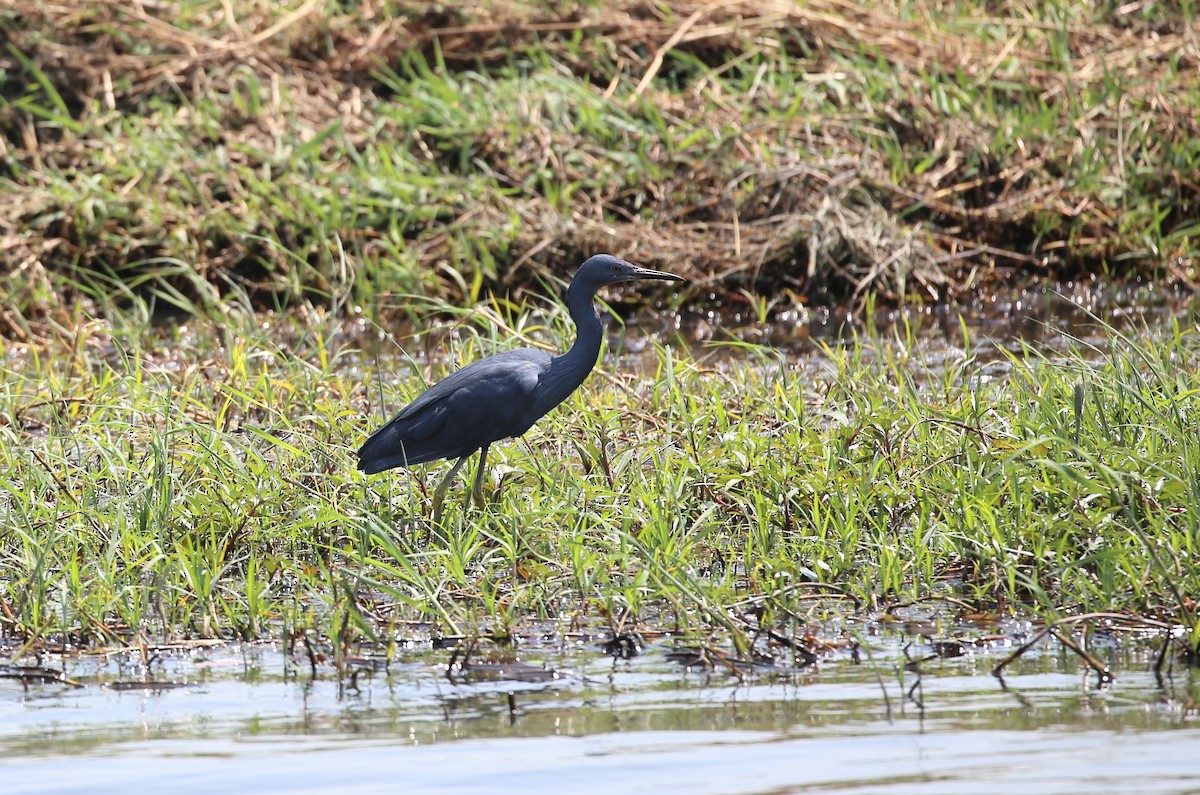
(257, 720)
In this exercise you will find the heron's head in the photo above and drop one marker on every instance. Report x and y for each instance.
(605, 269)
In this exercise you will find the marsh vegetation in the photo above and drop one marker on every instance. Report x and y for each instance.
(214, 215)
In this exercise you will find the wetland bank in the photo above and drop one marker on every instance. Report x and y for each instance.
(701, 568)
(925, 410)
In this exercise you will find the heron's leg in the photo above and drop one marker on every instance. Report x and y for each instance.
(440, 492)
(478, 490)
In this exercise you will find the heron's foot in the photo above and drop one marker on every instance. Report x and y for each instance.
(477, 496)
(480, 475)
(438, 498)
(481, 501)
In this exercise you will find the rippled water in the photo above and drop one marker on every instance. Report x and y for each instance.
(253, 720)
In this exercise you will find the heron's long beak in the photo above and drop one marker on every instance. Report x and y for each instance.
(646, 273)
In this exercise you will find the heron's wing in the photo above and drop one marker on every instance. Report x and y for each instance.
(479, 404)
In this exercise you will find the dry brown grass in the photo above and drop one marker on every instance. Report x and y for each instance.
(828, 199)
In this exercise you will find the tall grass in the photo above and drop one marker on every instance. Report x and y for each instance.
(149, 495)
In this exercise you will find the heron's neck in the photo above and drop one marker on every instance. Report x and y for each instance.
(567, 371)
(588, 331)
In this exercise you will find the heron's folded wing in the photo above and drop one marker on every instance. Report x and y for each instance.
(477, 405)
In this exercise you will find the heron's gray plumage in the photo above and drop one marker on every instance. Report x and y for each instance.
(484, 402)
(501, 396)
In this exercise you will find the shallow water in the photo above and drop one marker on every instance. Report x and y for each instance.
(1038, 315)
(253, 720)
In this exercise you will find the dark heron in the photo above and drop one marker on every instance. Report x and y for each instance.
(501, 396)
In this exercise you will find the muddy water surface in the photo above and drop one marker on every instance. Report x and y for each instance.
(254, 719)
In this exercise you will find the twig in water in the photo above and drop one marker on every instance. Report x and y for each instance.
(998, 671)
(1106, 676)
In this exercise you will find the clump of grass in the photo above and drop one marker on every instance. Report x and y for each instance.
(147, 495)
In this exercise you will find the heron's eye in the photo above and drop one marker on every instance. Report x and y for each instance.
(616, 268)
